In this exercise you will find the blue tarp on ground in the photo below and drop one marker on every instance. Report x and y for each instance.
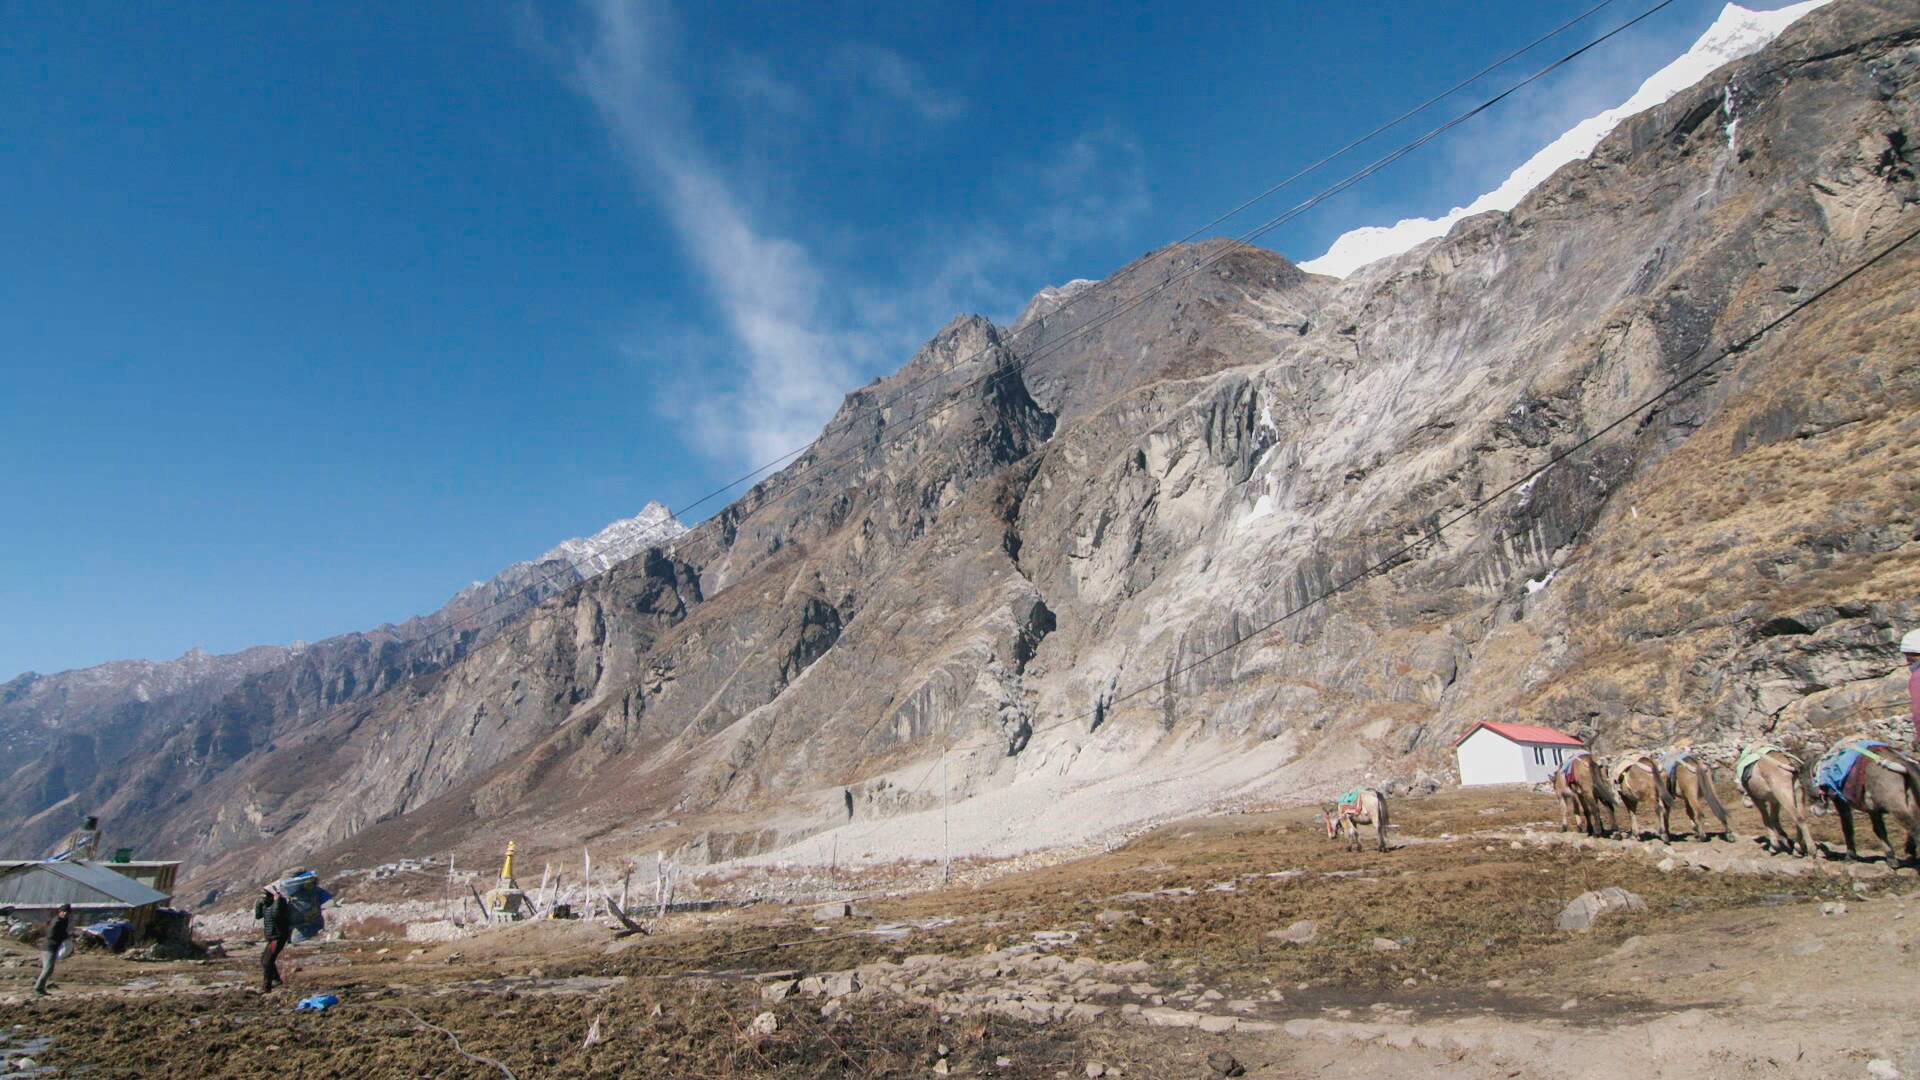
(114, 932)
(318, 1003)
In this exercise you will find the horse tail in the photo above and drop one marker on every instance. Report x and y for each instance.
(1803, 793)
(1603, 790)
(1912, 776)
(1703, 772)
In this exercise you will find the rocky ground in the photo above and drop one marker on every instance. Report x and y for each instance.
(1235, 945)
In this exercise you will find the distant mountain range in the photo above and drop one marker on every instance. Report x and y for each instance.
(58, 730)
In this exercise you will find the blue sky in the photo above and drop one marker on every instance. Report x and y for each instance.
(310, 318)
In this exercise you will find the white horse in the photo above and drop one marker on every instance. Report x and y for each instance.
(1368, 807)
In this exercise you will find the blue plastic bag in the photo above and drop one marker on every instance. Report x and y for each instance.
(318, 1003)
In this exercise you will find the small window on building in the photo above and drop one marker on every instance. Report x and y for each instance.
(1556, 756)
(1539, 756)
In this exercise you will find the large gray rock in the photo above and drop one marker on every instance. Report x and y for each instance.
(1296, 933)
(1590, 907)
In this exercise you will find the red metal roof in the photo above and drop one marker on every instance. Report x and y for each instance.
(1523, 733)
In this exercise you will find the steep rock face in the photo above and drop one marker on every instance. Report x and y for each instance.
(991, 558)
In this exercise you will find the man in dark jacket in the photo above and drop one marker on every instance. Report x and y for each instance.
(57, 933)
(276, 923)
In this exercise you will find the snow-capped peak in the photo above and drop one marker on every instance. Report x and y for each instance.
(1052, 299)
(1736, 33)
(616, 543)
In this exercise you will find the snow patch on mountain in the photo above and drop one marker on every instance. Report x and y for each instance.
(1736, 33)
(1051, 299)
(583, 557)
(652, 526)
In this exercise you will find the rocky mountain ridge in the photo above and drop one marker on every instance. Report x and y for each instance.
(71, 736)
(1003, 578)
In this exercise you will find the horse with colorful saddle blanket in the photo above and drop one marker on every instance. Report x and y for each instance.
(1875, 779)
(1354, 808)
(1840, 772)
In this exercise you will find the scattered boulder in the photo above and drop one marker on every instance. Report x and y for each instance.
(1112, 917)
(765, 1024)
(1882, 1069)
(839, 909)
(1298, 933)
(1833, 907)
(1160, 1016)
(776, 992)
(1381, 944)
(1591, 906)
(841, 983)
(1095, 1070)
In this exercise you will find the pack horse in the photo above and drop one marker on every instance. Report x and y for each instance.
(1877, 780)
(1360, 806)
(1582, 787)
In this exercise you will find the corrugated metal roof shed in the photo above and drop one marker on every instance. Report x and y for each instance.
(82, 884)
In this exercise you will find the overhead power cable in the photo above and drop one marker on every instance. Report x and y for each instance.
(1234, 245)
(1049, 348)
(1107, 284)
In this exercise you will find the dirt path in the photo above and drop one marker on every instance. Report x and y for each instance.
(1235, 942)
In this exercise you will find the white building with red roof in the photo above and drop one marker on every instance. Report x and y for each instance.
(1495, 753)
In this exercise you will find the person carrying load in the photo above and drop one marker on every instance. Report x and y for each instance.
(289, 911)
(276, 926)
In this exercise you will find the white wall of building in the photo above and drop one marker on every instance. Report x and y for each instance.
(1487, 757)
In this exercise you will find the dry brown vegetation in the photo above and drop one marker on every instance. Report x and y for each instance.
(1465, 908)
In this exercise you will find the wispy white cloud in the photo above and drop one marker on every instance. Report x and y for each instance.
(1096, 185)
(892, 75)
(755, 84)
(794, 370)
(799, 328)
